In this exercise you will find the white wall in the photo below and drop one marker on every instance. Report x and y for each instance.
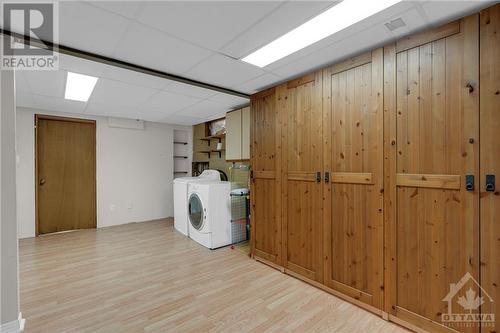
(9, 274)
(134, 172)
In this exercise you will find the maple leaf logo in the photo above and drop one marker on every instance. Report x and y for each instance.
(470, 301)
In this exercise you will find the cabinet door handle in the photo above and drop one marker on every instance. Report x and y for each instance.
(327, 177)
(469, 183)
(318, 177)
(490, 183)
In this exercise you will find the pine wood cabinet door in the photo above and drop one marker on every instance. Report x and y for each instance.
(490, 164)
(353, 157)
(300, 101)
(266, 177)
(433, 243)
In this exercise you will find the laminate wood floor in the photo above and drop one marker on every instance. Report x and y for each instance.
(145, 277)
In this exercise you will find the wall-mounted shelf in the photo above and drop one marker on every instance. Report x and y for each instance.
(218, 151)
(211, 151)
(181, 153)
(218, 137)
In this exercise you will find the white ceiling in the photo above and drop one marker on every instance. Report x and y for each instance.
(202, 40)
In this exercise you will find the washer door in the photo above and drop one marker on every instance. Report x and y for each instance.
(195, 211)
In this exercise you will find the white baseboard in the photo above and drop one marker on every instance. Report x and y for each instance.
(15, 326)
(21, 321)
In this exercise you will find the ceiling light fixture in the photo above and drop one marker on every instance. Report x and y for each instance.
(337, 18)
(79, 87)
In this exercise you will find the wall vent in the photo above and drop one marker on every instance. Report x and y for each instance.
(395, 24)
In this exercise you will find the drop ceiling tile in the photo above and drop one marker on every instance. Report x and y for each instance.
(59, 104)
(210, 24)
(88, 28)
(438, 12)
(99, 109)
(229, 101)
(81, 66)
(348, 47)
(154, 49)
(204, 109)
(110, 92)
(347, 33)
(129, 76)
(413, 20)
(47, 83)
(181, 120)
(128, 9)
(170, 102)
(224, 71)
(289, 15)
(189, 90)
(259, 83)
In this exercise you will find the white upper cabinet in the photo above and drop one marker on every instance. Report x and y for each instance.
(245, 133)
(238, 135)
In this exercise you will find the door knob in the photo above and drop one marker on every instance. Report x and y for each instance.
(42, 181)
(490, 183)
(469, 183)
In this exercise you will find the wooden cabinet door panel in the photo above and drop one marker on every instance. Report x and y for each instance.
(437, 132)
(490, 163)
(266, 180)
(353, 118)
(302, 159)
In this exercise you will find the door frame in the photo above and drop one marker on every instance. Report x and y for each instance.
(37, 179)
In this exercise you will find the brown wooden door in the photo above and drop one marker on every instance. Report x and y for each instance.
(266, 180)
(65, 180)
(490, 163)
(302, 160)
(353, 120)
(436, 144)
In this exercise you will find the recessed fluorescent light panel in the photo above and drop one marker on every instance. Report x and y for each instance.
(79, 87)
(337, 18)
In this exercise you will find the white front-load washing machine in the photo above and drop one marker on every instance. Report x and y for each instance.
(209, 213)
(181, 195)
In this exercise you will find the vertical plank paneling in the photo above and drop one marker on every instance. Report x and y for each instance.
(302, 195)
(490, 162)
(266, 191)
(354, 211)
(437, 130)
(390, 155)
(411, 111)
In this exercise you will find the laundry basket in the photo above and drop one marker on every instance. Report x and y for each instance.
(239, 175)
(240, 213)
